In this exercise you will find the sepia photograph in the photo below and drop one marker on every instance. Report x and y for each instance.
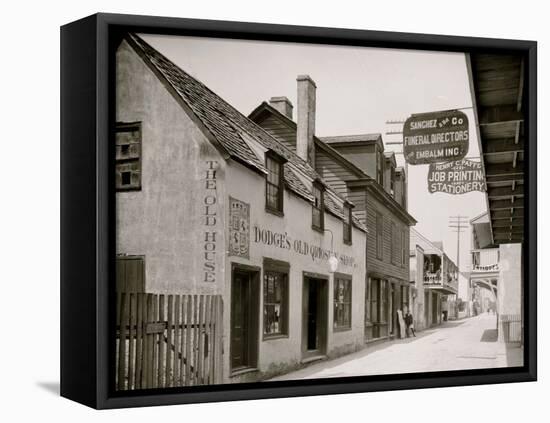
(290, 211)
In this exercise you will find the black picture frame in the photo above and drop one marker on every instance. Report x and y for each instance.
(87, 210)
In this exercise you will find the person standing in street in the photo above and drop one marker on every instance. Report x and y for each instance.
(409, 322)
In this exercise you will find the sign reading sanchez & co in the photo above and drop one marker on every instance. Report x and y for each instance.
(457, 177)
(435, 137)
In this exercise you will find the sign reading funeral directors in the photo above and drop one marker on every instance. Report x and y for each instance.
(457, 177)
(435, 137)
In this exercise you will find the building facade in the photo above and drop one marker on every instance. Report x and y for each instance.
(209, 203)
(497, 276)
(435, 279)
(357, 168)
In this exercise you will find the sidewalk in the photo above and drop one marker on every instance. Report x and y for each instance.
(454, 345)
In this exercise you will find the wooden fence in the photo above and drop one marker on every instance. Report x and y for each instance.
(168, 340)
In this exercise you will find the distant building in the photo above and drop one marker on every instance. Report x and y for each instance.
(357, 168)
(434, 277)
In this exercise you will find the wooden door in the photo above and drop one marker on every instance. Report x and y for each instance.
(240, 298)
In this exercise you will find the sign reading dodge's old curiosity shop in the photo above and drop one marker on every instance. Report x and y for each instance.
(435, 137)
(457, 177)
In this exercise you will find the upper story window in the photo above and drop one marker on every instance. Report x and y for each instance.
(394, 247)
(274, 188)
(380, 167)
(379, 235)
(392, 182)
(317, 211)
(404, 248)
(128, 156)
(347, 224)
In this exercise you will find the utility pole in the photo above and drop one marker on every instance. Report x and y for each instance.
(459, 223)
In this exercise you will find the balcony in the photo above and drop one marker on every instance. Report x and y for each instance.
(485, 262)
(436, 282)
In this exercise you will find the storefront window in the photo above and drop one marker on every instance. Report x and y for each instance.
(374, 293)
(275, 303)
(342, 303)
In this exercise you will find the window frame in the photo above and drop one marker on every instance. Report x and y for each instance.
(348, 280)
(404, 248)
(379, 236)
(318, 186)
(347, 227)
(280, 161)
(279, 267)
(129, 127)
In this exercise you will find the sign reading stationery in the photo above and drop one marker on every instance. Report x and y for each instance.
(435, 137)
(457, 177)
(239, 228)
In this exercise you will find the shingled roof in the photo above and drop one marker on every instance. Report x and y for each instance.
(228, 127)
(351, 138)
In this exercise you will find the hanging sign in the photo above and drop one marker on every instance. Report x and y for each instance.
(239, 228)
(457, 177)
(435, 137)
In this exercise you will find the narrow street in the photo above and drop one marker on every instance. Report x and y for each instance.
(463, 344)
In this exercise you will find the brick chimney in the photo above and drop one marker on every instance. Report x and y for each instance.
(282, 105)
(306, 119)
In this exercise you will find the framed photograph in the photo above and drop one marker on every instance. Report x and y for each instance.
(258, 211)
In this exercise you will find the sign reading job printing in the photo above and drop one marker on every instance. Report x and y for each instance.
(435, 137)
(239, 228)
(456, 177)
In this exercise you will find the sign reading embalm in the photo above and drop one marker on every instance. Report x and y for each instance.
(239, 228)
(457, 177)
(435, 137)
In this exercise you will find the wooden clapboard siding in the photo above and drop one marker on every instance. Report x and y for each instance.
(184, 348)
(283, 133)
(333, 173)
(385, 265)
(359, 199)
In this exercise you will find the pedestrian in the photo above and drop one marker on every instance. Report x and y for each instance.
(409, 322)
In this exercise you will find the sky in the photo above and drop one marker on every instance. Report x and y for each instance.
(359, 89)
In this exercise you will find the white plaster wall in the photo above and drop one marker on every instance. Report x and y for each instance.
(165, 220)
(279, 355)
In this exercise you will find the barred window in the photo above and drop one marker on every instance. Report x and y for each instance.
(342, 303)
(318, 218)
(275, 303)
(128, 156)
(274, 188)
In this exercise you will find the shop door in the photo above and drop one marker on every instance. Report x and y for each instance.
(315, 308)
(244, 320)
(427, 309)
(435, 309)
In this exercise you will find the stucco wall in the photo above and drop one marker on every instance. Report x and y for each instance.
(283, 354)
(165, 221)
(509, 289)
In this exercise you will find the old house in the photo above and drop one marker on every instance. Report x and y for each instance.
(210, 203)
(357, 168)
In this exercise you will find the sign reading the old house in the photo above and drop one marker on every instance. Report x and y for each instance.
(239, 228)
(457, 177)
(435, 137)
